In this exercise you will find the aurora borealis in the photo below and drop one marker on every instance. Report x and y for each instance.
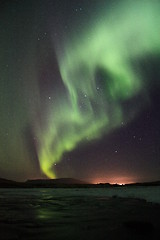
(79, 89)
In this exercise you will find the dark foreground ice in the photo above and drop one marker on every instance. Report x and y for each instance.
(80, 214)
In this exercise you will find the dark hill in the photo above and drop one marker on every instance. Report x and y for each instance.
(143, 184)
(64, 183)
(3, 180)
(53, 182)
(8, 183)
(48, 183)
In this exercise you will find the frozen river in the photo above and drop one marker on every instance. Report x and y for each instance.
(150, 194)
(89, 213)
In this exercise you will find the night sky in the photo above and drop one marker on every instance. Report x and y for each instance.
(79, 90)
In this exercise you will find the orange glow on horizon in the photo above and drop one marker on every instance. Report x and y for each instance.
(114, 180)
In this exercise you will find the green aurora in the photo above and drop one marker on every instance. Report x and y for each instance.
(99, 68)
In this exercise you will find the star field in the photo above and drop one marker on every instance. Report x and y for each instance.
(80, 90)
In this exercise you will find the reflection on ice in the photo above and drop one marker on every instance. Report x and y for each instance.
(43, 213)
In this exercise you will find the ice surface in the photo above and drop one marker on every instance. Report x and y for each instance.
(89, 213)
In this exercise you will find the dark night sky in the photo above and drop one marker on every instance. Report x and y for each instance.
(79, 90)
